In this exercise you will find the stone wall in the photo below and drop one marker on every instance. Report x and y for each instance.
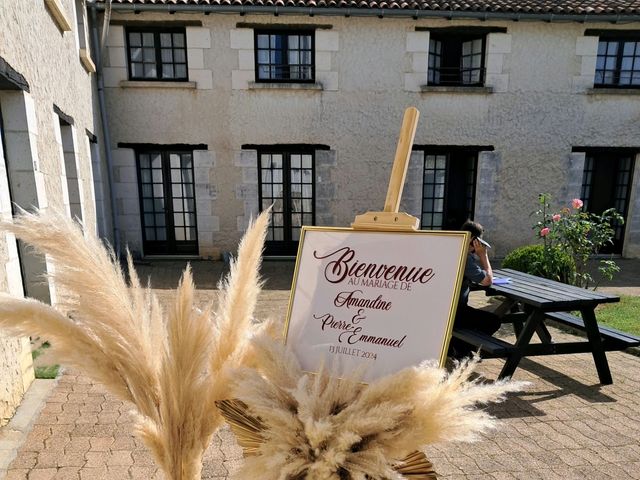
(632, 245)
(206, 198)
(16, 371)
(37, 166)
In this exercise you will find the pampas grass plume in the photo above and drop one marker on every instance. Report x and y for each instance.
(171, 366)
(322, 427)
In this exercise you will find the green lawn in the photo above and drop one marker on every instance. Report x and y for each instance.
(40, 350)
(44, 371)
(48, 372)
(624, 315)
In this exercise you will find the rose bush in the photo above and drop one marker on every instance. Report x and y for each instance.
(578, 233)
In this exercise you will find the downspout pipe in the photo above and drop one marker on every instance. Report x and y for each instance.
(370, 12)
(105, 129)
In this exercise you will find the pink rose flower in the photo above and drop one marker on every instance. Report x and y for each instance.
(576, 203)
(544, 232)
(556, 217)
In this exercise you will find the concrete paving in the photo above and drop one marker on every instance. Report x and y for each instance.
(14, 434)
(563, 426)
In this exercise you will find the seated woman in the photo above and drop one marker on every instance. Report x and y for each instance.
(477, 271)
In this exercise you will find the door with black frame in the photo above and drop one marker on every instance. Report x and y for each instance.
(167, 202)
(286, 181)
(21, 247)
(607, 184)
(449, 187)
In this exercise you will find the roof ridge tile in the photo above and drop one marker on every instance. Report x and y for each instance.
(560, 7)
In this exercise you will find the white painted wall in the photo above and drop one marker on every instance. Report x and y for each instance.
(540, 106)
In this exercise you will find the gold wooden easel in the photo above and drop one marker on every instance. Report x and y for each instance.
(390, 218)
(416, 465)
(249, 429)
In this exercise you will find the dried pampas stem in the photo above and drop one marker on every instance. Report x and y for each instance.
(249, 434)
(298, 426)
(172, 368)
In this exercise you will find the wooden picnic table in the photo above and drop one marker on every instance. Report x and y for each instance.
(529, 302)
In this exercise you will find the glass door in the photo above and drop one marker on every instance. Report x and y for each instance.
(614, 174)
(286, 181)
(449, 188)
(168, 205)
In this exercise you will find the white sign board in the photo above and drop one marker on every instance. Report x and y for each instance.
(387, 299)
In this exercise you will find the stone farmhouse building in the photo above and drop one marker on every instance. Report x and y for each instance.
(165, 125)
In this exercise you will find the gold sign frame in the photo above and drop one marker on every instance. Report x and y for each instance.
(461, 252)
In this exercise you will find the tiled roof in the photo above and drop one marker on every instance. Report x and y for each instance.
(560, 7)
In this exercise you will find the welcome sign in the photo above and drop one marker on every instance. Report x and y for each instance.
(382, 298)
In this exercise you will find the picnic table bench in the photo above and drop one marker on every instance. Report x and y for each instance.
(539, 300)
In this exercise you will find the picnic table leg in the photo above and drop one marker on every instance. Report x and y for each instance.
(505, 312)
(543, 333)
(517, 327)
(597, 350)
(505, 307)
(531, 325)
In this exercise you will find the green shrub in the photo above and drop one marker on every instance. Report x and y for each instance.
(552, 263)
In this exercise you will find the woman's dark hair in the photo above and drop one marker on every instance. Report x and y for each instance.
(472, 227)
